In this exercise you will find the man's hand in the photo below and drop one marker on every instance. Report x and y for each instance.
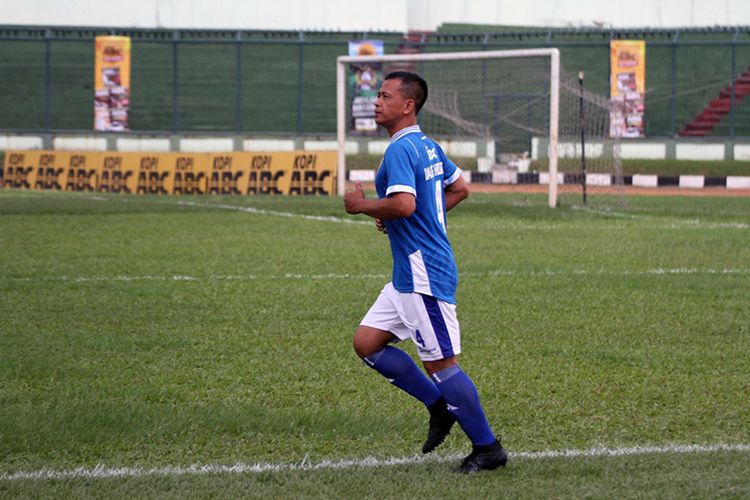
(352, 199)
(380, 226)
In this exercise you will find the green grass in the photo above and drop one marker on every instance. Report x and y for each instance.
(145, 332)
(670, 476)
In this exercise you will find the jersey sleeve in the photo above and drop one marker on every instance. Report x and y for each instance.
(400, 162)
(451, 172)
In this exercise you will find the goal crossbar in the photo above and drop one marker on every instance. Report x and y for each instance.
(552, 53)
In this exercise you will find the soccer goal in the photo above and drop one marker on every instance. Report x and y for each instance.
(513, 112)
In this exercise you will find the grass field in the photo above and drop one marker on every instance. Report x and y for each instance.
(200, 347)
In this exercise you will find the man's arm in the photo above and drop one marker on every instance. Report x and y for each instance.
(456, 193)
(396, 206)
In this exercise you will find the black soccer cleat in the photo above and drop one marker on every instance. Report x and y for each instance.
(488, 457)
(441, 421)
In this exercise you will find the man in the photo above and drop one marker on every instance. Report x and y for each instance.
(417, 184)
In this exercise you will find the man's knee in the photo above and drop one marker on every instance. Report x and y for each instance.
(440, 364)
(368, 340)
(361, 345)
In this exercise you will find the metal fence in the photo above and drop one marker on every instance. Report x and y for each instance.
(283, 82)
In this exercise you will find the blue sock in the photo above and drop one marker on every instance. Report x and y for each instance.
(462, 398)
(398, 367)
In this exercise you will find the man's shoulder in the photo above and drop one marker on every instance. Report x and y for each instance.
(404, 146)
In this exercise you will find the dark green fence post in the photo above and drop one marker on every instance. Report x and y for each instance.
(673, 110)
(238, 85)
(47, 79)
(301, 83)
(175, 100)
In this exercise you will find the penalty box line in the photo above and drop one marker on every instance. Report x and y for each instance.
(103, 472)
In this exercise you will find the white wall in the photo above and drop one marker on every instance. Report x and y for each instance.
(213, 14)
(394, 15)
(581, 13)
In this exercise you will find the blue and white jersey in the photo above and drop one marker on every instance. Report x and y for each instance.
(423, 259)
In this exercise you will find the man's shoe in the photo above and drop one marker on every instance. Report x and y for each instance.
(441, 421)
(488, 457)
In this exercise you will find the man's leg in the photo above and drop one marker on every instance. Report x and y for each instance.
(372, 345)
(460, 393)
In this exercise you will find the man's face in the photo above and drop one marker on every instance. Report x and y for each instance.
(390, 104)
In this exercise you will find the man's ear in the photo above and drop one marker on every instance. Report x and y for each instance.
(410, 106)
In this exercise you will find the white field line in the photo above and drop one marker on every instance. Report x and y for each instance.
(603, 272)
(675, 224)
(101, 471)
(260, 211)
(381, 276)
(678, 224)
(639, 217)
(178, 277)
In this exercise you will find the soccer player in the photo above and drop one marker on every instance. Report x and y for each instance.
(416, 185)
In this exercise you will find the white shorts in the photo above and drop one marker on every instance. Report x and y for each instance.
(430, 323)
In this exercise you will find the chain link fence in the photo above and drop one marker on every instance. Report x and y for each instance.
(283, 82)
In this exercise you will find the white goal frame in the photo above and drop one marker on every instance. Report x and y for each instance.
(554, 105)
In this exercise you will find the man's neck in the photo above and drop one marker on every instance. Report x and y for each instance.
(408, 122)
(405, 131)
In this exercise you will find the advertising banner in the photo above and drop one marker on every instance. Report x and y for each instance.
(112, 83)
(627, 87)
(238, 173)
(51, 170)
(188, 172)
(20, 169)
(284, 173)
(81, 170)
(118, 172)
(364, 82)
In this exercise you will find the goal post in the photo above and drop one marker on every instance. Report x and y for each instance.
(552, 55)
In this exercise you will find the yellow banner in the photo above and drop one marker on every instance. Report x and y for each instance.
(112, 83)
(81, 170)
(20, 169)
(50, 170)
(288, 173)
(188, 172)
(627, 87)
(121, 172)
(282, 173)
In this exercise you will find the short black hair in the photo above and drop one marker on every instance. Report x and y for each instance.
(412, 85)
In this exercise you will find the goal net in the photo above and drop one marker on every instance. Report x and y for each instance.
(510, 116)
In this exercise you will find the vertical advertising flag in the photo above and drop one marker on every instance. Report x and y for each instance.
(364, 83)
(627, 88)
(112, 83)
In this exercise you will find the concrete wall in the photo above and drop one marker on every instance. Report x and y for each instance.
(655, 149)
(426, 14)
(393, 15)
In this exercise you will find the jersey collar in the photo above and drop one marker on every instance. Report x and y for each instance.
(406, 130)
